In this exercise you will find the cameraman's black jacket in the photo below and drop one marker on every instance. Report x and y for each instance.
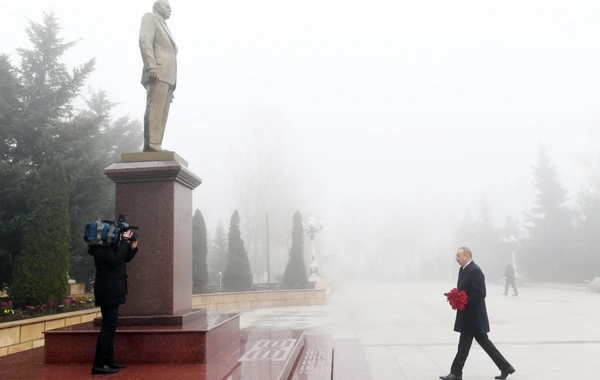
(110, 286)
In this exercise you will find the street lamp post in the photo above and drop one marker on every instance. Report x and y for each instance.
(312, 228)
(268, 253)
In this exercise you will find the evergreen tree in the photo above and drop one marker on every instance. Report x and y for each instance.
(587, 236)
(218, 253)
(10, 107)
(485, 224)
(549, 224)
(487, 242)
(295, 276)
(49, 90)
(36, 104)
(37, 121)
(237, 276)
(91, 142)
(200, 250)
(40, 275)
(14, 214)
(466, 232)
(86, 153)
(16, 178)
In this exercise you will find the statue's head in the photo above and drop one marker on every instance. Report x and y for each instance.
(163, 8)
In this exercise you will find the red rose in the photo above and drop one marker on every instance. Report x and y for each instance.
(457, 299)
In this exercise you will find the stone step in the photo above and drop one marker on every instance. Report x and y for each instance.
(196, 342)
(325, 358)
(267, 354)
(316, 359)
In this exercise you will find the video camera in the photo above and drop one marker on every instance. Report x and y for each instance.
(105, 232)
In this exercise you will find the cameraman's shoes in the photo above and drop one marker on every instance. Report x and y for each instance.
(104, 370)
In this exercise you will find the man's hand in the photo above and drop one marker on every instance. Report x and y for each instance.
(127, 236)
(153, 75)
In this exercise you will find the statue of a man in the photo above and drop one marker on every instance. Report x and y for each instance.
(159, 76)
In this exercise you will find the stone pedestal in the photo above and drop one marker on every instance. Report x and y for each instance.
(157, 197)
(158, 323)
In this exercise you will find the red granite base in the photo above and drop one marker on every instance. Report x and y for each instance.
(178, 319)
(157, 197)
(29, 365)
(261, 354)
(195, 342)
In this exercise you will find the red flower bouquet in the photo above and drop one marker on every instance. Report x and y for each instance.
(457, 299)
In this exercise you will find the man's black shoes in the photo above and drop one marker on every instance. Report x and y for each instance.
(104, 370)
(116, 365)
(509, 371)
(505, 373)
(451, 377)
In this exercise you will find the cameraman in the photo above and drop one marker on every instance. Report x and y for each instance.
(110, 289)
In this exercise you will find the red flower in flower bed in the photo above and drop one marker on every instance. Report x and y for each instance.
(457, 299)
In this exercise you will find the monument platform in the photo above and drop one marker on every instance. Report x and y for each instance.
(257, 354)
(195, 342)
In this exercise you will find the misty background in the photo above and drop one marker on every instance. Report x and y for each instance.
(388, 120)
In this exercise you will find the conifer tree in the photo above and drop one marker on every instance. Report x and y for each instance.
(200, 250)
(549, 224)
(295, 276)
(238, 276)
(218, 253)
(40, 274)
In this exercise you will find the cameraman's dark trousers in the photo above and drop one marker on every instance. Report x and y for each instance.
(105, 351)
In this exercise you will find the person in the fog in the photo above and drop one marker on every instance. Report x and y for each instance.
(472, 322)
(509, 273)
(110, 291)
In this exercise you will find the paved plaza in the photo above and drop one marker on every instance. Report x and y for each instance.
(406, 330)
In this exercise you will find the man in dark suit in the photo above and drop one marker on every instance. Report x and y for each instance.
(509, 273)
(110, 290)
(472, 322)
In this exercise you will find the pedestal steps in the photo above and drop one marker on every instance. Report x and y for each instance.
(196, 342)
(325, 358)
(256, 355)
(267, 354)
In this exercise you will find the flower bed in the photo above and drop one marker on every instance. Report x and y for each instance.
(8, 313)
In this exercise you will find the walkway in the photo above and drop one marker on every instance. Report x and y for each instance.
(406, 330)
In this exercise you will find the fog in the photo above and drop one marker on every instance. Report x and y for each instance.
(385, 119)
